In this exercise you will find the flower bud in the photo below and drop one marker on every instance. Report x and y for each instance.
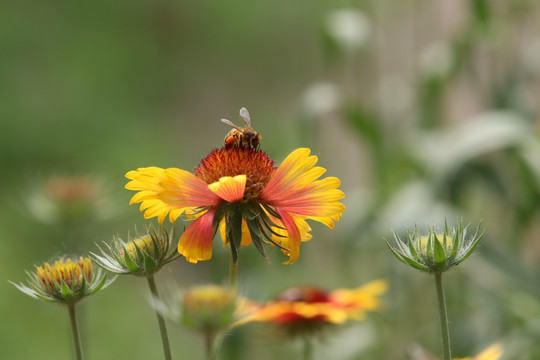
(66, 281)
(142, 256)
(436, 251)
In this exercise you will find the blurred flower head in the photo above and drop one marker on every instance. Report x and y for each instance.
(349, 28)
(238, 189)
(303, 310)
(321, 99)
(66, 281)
(436, 60)
(69, 199)
(436, 251)
(205, 308)
(142, 256)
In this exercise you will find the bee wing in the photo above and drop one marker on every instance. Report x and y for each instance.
(244, 114)
(230, 123)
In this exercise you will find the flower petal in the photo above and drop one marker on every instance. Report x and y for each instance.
(293, 239)
(357, 301)
(294, 188)
(163, 192)
(196, 242)
(229, 188)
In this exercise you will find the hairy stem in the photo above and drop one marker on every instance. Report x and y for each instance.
(445, 333)
(161, 321)
(75, 332)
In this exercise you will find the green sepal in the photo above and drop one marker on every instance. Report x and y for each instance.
(67, 294)
(256, 237)
(157, 250)
(472, 246)
(130, 263)
(233, 221)
(439, 254)
(150, 265)
(429, 246)
(406, 260)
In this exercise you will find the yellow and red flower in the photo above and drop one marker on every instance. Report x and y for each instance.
(306, 309)
(239, 191)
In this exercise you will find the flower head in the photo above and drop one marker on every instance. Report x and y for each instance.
(239, 191)
(67, 281)
(141, 256)
(205, 308)
(436, 251)
(307, 309)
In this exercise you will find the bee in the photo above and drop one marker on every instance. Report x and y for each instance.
(246, 136)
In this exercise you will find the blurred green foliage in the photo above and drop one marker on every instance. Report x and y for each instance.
(425, 110)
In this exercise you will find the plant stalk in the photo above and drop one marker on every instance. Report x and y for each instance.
(75, 332)
(233, 273)
(445, 333)
(216, 346)
(161, 321)
(308, 348)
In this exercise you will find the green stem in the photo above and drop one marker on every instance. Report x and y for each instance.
(233, 273)
(209, 337)
(217, 342)
(75, 332)
(161, 321)
(445, 334)
(308, 348)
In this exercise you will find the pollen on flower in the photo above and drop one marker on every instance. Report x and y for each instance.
(238, 160)
(68, 271)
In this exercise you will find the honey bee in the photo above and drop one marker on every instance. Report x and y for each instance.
(246, 136)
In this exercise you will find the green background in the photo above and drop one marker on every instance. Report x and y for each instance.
(431, 114)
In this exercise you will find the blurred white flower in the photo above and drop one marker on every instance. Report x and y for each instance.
(350, 28)
(531, 56)
(320, 99)
(436, 59)
(396, 88)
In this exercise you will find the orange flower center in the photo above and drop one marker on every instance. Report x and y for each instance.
(238, 160)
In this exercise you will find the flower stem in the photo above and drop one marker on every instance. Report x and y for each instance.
(75, 332)
(233, 272)
(308, 348)
(209, 338)
(445, 334)
(216, 346)
(161, 321)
